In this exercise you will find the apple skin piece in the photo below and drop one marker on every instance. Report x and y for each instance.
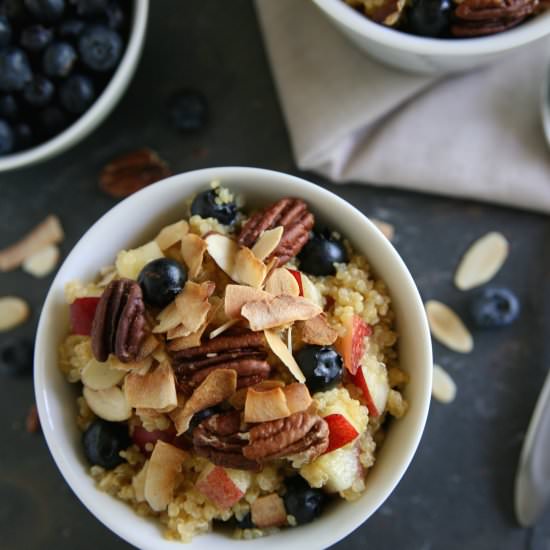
(341, 432)
(223, 486)
(352, 345)
(298, 276)
(375, 386)
(82, 312)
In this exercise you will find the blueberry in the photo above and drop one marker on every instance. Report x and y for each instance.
(205, 205)
(103, 441)
(77, 94)
(39, 91)
(16, 358)
(8, 107)
(100, 48)
(320, 254)
(5, 31)
(15, 70)
(22, 135)
(14, 10)
(46, 10)
(52, 120)
(188, 111)
(245, 522)
(429, 17)
(115, 15)
(303, 502)
(6, 138)
(71, 28)
(495, 307)
(36, 38)
(321, 365)
(59, 59)
(200, 416)
(91, 7)
(161, 280)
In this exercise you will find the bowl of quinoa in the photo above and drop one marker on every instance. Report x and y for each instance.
(233, 356)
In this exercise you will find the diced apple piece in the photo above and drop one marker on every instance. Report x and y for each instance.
(263, 406)
(129, 263)
(341, 431)
(374, 383)
(223, 486)
(352, 345)
(268, 511)
(297, 397)
(82, 312)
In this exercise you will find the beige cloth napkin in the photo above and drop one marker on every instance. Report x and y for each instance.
(477, 135)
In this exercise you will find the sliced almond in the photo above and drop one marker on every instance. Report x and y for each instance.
(193, 306)
(189, 341)
(223, 251)
(168, 318)
(248, 269)
(140, 367)
(109, 404)
(267, 242)
(238, 399)
(222, 328)
(264, 406)
(279, 348)
(148, 346)
(443, 386)
(43, 262)
(238, 295)
(138, 483)
(100, 376)
(447, 327)
(161, 475)
(172, 234)
(154, 390)
(13, 312)
(317, 331)
(297, 397)
(215, 388)
(268, 511)
(46, 233)
(193, 248)
(387, 229)
(311, 292)
(281, 281)
(278, 311)
(482, 261)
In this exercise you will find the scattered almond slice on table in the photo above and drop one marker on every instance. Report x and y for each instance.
(447, 327)
(43, 262)
(387, 229)
(13, 312)
(482, 261)
(443, 386)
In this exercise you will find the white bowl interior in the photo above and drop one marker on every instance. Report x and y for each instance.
(138, 218)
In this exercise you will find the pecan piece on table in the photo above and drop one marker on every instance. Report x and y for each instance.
(219, 439)
(300, 432)
(119, 324)
(295, 218)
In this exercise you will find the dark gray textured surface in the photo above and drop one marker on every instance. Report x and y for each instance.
(458, 492)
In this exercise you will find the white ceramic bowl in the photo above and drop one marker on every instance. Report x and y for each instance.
(429, 55)
(101, 107)
(139, 218)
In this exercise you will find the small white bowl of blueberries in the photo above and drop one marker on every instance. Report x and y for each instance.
(64, 64)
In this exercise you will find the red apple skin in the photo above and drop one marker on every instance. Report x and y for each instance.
(360, 381)
(341, 431)
(82, 312)
(352, 345)
(298, 276)
(216, 484)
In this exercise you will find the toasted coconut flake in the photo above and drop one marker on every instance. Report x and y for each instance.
(281, 281)
(317, 331)
(264, 406)
(482, 261)
(148, 346)
(297, 397)
(311, 292)
(248, 269)
(279, 311)
(279, 348)
(43, 262)
(154, 390)
(193, 248)
(193, 306)
(101, 376)
(238, 399)
(168, 318)
(172, 234)
(13, 312)
(238, 295)
(443, 386)
(222, 328)
(189, 341)
(447, 327)
(215, 388)
(223, 251)
(268, 511)
(139, 367)
(387, 229)
(138, 483)
(162, 473)
(268, 242)
(46, 233)
(109, 404)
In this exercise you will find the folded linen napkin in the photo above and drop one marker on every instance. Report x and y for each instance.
(351, 119)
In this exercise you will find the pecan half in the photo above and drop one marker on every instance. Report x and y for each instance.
(483, 17)
(129, 173)
(219, 439)
(298, 433)
(296, 220)
(119, 324)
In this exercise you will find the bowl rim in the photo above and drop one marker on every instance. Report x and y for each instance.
(103, 105)
(523, 34)
(75, 476)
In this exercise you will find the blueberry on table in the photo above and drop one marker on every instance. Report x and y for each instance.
(59, 59)
(39, 91)
(495, 307)
(46, 10)
(77, 94)
(16, 358)
(322, 366)
(6, 138)
(188, 111)
(205, 205)
(100, 48)
(5, 31)
(8, 107)
(303, 502)
(103, 442)
(71, 28)
(52, 120)
(36, 38)
(22, 135)
(15, 70)
(161, 281)
(429, 17)
(320, 254)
